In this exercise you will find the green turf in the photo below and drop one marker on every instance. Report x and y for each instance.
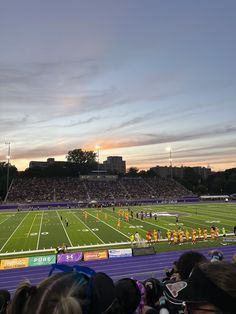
(37, 230)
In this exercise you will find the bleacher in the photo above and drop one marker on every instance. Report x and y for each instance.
(75, 189)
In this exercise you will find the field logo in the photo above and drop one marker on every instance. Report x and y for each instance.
(33, 234)
(177, 224)
(36, 233)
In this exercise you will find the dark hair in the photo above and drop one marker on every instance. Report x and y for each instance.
(128, 295)
(222, 274)
(4, 300)
(153, 291)
(187, 261)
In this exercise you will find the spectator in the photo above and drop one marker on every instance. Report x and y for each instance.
(71, 292)
(210, 288)
(153, 289)
(131, 296)
(187, 261)
(4, 301)
(172, 272)
(215, 255)
(234, 258)
(128, 295)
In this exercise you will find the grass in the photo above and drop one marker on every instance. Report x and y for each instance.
(38, 230)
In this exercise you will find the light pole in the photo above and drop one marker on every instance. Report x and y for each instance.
(97, 147)
(170, 160)
(8, 164)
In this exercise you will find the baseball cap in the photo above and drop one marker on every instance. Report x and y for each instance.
(198, 288)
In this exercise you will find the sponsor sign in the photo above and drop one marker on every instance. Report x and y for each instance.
(120, 253)
(14, 263)
(42, 260)
(144, 251)
(95, 255)
(69, 258)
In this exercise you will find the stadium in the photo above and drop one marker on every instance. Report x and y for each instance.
(117, 157)
(112, 224)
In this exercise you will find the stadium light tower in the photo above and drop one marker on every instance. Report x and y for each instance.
(8, 164)
(98, 147)
(169, 149)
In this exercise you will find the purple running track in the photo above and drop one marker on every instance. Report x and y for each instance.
(139, 267)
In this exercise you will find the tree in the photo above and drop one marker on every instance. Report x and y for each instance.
(82, 161)
(81, 157)
(132, 172)
(3, 177)
(191, 178)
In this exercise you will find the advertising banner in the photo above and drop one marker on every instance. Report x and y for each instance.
(95, 255)
(144, 251)
(42, 260)
(14, 263)
(69, 258)
(120, 253)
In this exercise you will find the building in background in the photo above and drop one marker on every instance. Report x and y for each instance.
(114, 164)
(44, 164)
(178, 172)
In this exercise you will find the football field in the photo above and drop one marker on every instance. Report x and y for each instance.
(39, 230)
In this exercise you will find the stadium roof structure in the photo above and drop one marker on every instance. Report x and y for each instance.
(210, 197)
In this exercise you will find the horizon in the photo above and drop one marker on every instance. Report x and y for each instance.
(127, 167)
(133, 77)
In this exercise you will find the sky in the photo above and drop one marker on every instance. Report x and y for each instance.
(132, 76)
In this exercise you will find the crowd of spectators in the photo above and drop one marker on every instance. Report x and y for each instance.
(195, 285)
(74, 189)
(167, 188)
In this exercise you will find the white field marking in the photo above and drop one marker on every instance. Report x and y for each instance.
(129, 224)
(14, 232)
(150, 223)
(64, 228)
(110, 226)
(40, 227)
(31, 226)
(194, 223)
(217, 215)
(9, 216)
(88, 228)
(208, 212)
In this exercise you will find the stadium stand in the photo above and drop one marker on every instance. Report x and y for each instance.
(75, 189)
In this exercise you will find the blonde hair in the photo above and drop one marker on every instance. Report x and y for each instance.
(60, 294)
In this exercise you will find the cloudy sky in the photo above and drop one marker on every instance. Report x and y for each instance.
(133, 76)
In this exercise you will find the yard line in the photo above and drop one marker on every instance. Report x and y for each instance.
(5, 219)
(150, 223)
(40, 227)
(143, 221)
(110, 226)
(14, 232)
(88, 228)
(31, 225)
(71, 244)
